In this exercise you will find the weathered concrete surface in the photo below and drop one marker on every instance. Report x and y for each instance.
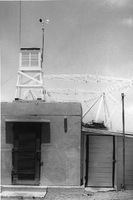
(128, 162)
(40, 108)
(23, 194)
(61, 157)
(6, 166)
(23, 191)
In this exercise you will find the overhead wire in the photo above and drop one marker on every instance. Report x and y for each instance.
(8, 79)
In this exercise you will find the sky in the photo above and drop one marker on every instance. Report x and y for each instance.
(83, 37)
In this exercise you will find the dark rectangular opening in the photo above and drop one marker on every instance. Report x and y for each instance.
(26, 138)
(43, 126)
(26, 145)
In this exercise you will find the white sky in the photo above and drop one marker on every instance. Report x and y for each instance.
(83, 36)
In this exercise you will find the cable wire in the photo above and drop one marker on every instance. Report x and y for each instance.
(8, 79)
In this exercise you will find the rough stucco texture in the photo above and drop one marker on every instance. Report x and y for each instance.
(61, 157)
(128, 162)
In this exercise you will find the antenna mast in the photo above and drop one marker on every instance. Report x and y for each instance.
(43, 22)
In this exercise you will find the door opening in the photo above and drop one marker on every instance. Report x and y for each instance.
(26, 153)
(100, 161)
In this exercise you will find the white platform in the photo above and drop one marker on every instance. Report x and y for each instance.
(22, 194)
(23, 191)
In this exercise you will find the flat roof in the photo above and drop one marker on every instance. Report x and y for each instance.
(93, 131)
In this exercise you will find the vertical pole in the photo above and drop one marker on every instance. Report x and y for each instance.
(42, 43)
(41, 21)
(123, 124)
(114, 160)
(87, 160)
(43, 91)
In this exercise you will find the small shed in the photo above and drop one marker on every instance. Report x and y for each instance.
(103, 159)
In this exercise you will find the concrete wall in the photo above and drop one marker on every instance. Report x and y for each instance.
(128, 162)
(61, 157)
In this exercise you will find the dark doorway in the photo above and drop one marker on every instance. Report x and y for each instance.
(26, 154)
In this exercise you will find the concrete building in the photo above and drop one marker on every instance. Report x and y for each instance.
(41, 143)
(44, 144)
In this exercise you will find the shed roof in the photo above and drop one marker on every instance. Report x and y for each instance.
(93, 131)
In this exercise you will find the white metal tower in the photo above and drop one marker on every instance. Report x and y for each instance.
(30, 81)
(30, 84)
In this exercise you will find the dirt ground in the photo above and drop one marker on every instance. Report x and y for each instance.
(67, 195)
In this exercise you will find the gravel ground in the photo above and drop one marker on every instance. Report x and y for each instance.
(67, 195)
(58, 195)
